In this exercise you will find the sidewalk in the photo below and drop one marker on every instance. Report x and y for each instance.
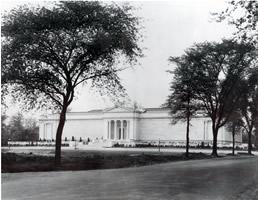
(119, 149)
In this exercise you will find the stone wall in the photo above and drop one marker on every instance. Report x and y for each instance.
(84, 128)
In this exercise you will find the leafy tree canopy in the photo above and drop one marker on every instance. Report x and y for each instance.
(248, 105)
(219, 71)
(47, 52)
(244, 16)
(182, 98)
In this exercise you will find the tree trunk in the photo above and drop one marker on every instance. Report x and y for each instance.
(214, 145)
(256, 132)
(250, 142)
(187, 127)
(233, 140)
(59, 136)
(187, 137)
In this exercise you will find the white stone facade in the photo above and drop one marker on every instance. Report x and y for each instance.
(127, 126)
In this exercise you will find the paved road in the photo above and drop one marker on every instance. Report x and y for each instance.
(47, 150)
(217, 179)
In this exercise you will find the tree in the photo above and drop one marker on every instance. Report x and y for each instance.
(234, 125)
(31, 129)
(16, 128)
(256, 134)
(218, 70)
(48, 52)
(249, 105)
(181, 100)
(4, 130)
(21, 129)
(244, 16)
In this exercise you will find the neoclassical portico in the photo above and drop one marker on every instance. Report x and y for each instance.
(120, 124)
(118, 129)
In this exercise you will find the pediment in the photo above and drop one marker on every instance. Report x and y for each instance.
(118, 110)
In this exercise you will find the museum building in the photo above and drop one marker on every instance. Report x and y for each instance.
(128, 126)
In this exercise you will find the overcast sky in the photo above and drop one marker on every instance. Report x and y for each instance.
(170, 28)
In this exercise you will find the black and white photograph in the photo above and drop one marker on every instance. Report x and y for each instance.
(132, 100)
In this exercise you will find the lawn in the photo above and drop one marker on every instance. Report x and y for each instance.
(43, 160)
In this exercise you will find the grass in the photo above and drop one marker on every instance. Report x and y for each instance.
(86, 160)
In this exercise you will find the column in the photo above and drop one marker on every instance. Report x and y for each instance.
(119, 122)
(125, 129)
(128, 129)
(122, 131)
(132, 129)
(41, 130)
(52, 132)
(45, 132)
(112, 130)
(115, 136)
(109, 129)
(204, 127)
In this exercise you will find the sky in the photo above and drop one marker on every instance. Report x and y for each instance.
(170, 27)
